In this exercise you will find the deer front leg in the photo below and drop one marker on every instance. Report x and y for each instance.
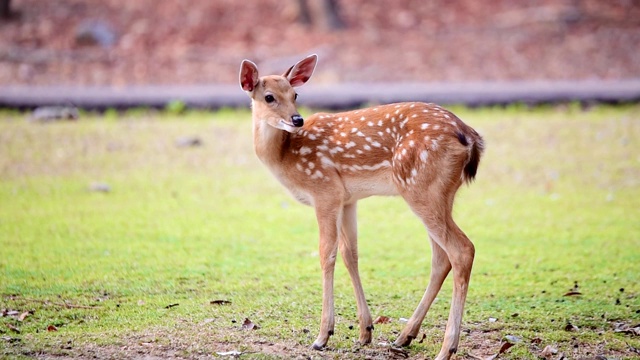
(348, 244)
(328, 222)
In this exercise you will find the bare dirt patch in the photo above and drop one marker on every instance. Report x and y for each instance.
(200, 41)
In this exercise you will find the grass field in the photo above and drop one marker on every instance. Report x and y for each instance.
(131, 272)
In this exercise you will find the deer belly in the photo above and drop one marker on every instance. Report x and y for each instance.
(364, 186)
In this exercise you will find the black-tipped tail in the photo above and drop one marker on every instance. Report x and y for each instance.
(471, 168)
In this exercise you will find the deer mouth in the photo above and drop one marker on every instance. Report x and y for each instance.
(287, 126)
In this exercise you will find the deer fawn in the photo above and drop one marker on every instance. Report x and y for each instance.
(330, 161)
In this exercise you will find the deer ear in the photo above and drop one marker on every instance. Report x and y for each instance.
(248, 75)
(301, 72)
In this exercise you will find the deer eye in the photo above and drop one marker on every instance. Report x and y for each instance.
(296, 97)
(269, 99)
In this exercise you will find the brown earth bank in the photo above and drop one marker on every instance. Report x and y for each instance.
(119, 42)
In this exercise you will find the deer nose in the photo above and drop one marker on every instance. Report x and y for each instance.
(297, 120)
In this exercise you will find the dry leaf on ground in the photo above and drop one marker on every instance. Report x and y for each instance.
(248, 325)
(382, 320)
(13, 328)
(219, 302)
(548, 352)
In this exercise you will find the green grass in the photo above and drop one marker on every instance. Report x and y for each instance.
(556, 202)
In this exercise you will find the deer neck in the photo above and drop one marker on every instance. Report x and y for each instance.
(270, 144)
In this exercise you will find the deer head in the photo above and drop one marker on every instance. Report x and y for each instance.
(273, 96)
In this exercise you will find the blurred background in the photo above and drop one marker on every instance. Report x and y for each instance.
(143, 42)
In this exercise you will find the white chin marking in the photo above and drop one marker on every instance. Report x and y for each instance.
(283, 125)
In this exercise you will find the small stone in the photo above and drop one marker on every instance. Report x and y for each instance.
(100, 187)
(54, 113)
(188, 141)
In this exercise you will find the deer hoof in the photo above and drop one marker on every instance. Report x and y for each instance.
(403, 342)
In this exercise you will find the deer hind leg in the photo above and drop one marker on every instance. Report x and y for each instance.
(434, 208)
(440, 268)
(329, 219)
(348, 244)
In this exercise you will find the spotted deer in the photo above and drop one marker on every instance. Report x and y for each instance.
(419, 151)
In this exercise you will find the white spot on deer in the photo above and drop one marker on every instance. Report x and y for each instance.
(436, 127)
(393, 119)
(336, 149)
(447, 116)
(350, 144)
(434, 144)
(349, 156)
(379, 122)
(305, 150)
(380, 133)
(359, 152)
(354, 130)
(412, 105)
(387, 116)
(343, 134)
(402, 124)
(312, 137)
(397, 106)
(404, 152)
(317, 175)
(397, 112)
(335, 131)
(322, 148)
(340, 118)
(368, 139)
(375, 144)
(388, 130)
(381, 165)
(299, 167)
(424, 126)
(326, 162)
(370, 123)
(363, 118)
(307, 171)
(423, 155)
(366, 147)
(359, 133)
(321, 116)
(375, 109)
(412, 143)
(414, 115)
